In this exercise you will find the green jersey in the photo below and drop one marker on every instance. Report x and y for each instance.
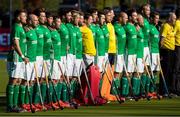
(47, 44)
(72, 38)
(93, 28)
(131, 35)
(146, 30)
(78, 43)
(140, 43)
(106, 37)
(31, 44)
(40, 40)
(64, 34)
(154, 39)
(56, 41)
(121, 38)
(100, 41)
(19, 34)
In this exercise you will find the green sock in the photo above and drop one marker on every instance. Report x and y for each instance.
(115, 86)
(147, 84)
(16, 95)
(54, 95)
(143, 79)
(27, 97)
(64, 92)
(9, 95)
(138, 87)
(43, 91)
(36, 94)
(60, 84)
(22, 94)
(134, 85)
(72, 88)
(125, 86)
(50, 91)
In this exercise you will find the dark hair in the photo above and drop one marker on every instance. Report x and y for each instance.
(153, 14)
(120, 14)
(48, 14)
(108, 8)
(92, 10)
(56, 17)
(18, 12)
(87, 15)
(130, 11)
(38, 11)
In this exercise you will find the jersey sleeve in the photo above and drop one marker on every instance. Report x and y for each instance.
(16, 34)
(164, 31)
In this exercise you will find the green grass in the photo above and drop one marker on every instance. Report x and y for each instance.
(3, 77)
(132, 108)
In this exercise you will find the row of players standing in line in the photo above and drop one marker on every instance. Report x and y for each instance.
(67, 38)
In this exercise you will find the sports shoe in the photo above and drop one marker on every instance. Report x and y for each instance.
(48, 106)
(25, 106)
(123, 99)
(9, 109)
(55, 106)
(64, 104)
(40, 107)
(18, 109)
(33, 107)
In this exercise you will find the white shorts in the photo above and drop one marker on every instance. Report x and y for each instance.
(146, 56)
(16, 69)
(47, 67)
(63, 63)
(88, 59)
(140, 65)
(77, 69)
(106, 57)
(131, 63)
(70, 64)
(100, 62)
(155, 64)
(39, 65)
(119, 63)
(56, 73)
(30, 71)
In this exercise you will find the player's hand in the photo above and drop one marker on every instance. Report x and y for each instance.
(137, 27)
(26, 60)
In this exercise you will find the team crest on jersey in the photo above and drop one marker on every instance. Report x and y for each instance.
(59, 43)
(134, 36)
(34, 42)
(41, 36)
(156, 36)
(107, 35)
(66, 36)
(49, 40)
(24, 40)
(124, 36)
(80, 40)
